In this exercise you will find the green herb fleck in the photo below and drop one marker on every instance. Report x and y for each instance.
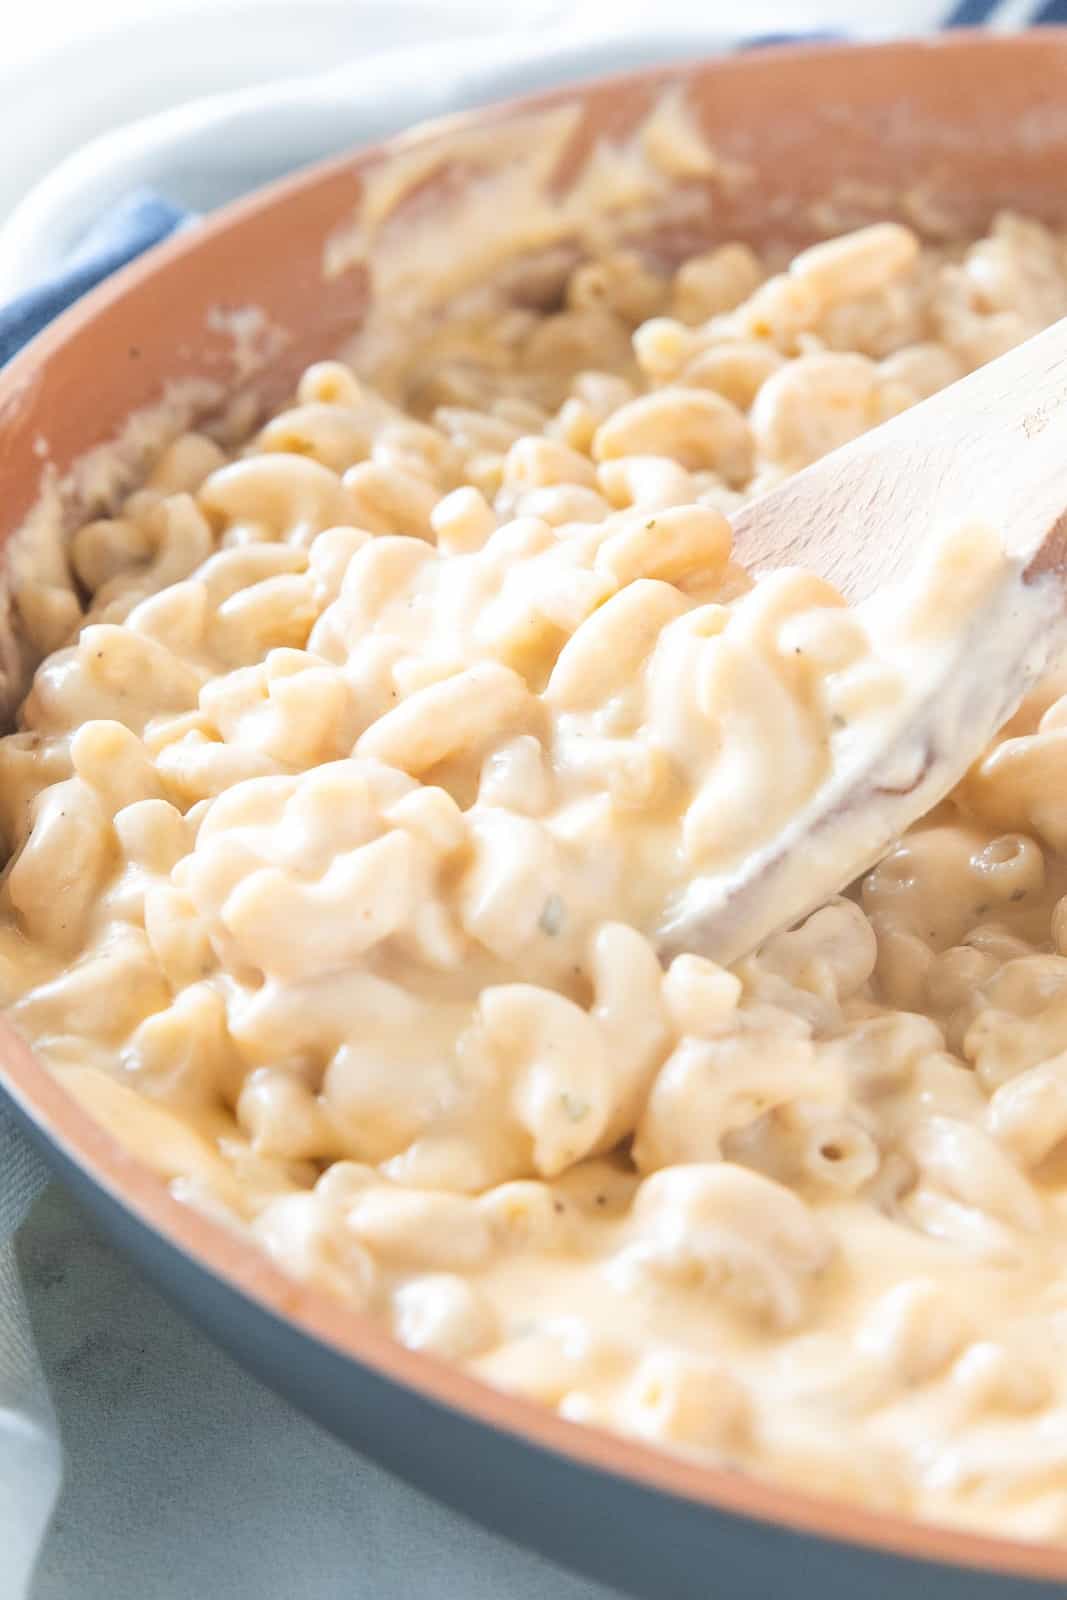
(551, 919)
(574, 1108)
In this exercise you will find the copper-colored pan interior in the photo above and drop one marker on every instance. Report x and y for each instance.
(943, 132)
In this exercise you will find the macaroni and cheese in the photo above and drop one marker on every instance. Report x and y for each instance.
(342, 827)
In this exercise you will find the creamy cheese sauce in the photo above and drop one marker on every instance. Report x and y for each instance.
(342, 827)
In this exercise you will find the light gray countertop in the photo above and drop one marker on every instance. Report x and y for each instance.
(186, 1479)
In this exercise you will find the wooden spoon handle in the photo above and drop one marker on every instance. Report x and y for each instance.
(992, 447)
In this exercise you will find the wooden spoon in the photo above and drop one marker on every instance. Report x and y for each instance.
(991, 448)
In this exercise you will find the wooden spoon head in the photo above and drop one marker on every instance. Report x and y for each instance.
(871, 515)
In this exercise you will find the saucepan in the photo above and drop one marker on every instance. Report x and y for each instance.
(808, 141)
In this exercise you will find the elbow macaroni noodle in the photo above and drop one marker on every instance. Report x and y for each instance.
(340, 828)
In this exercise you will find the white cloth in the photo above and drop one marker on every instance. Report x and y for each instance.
(127, 90)
(29, 1445)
